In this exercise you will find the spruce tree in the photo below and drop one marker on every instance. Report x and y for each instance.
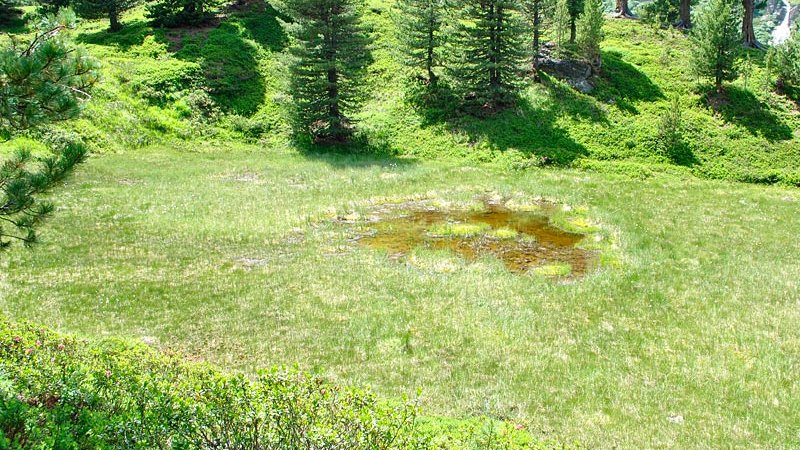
(419, 31)
(329, 51)
(178, 13)
(575, 8)
(52, 6)
(787, 61)
(590, 32)
(488, 54)
(716, 41)
(8, 11)
(535, 12)
(40, 82)
(561, 24)
(97, 9)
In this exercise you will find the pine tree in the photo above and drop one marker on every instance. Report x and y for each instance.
(685, 14)
(535, 11)
(575, 8)
(561, 24)
(178, 13)
(97, 9)
(8, 10)
(716, 41)
(419, 30)
(40, 82)
(43, 80)
(748, 31)
(488, 53)
(329, 50)
(590, 32)
(623, 10)
(787, 61)
(52, 6)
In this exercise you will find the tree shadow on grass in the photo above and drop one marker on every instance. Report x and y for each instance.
(262, 23)
(230, 63)
(741, 107)
(132, 34)
(358, 153)
(531, 131)
(624, 83)
(528, 129)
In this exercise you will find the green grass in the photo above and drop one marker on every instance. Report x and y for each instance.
(458, 229)
(227, 254)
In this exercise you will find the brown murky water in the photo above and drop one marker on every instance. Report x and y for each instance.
(537, 242)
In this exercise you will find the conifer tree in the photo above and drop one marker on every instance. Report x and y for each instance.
(535, 12)
(40, 82)
(590, 32)
(488, 53)
(561, 24)
(8, 10)
(787, 60)
(329, 50)
(575, 8)
(177, 13)
(43, 80)
(716, 41)
(419, 30)
(97, 9)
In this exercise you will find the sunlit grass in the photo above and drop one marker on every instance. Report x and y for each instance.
(231, 255)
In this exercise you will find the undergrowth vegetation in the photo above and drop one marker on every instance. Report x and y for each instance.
(227, 79)
(57, 391)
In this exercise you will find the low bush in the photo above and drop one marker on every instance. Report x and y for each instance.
(57, 391)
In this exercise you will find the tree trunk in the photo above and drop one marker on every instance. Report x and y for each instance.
(572, 30)
(623, 11)
(429, 56)
(537, 24)
(685, 21)
(748, 32)
(334, 114)
(113, 17)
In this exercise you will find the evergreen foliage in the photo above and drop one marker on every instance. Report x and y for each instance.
(330, 54)
(42, 80)
(419, 31)
(488, 54)
(716, 41)
(561, 24)
(535, 12)
(575, 8)
(52, 6)
(8, 10)
(178, 13)
(97, 9)
(590, 32)
(23, 178)
(787, 59)
(39, 82)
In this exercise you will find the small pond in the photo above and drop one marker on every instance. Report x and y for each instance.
(523, 240)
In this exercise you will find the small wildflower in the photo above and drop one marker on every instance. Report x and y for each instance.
(28, 351)
(17, 339)
(61, 346)
(108, 373)
(38, 343)
(519, 426)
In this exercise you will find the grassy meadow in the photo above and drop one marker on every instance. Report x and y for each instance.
(688, 339)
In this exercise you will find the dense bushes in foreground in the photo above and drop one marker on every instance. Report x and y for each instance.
(60, 392)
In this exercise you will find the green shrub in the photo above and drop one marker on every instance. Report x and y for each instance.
(159, 81)
(60, 392)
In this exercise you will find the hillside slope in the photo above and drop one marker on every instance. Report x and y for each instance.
(226, 81)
